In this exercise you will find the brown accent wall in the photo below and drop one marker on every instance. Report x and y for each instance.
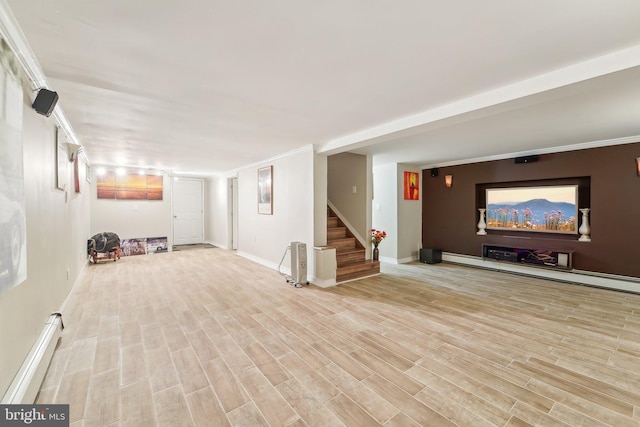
(450, 215)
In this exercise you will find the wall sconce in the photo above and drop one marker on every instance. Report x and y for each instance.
(448, 180)
(638, 165)
(73, 150)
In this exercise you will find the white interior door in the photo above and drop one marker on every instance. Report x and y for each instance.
(188, 215)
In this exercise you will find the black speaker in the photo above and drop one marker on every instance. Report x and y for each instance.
(527, 159)
(431, 256)
(434, 171)
(45, 102)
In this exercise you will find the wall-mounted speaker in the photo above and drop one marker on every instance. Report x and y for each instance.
(527, 159)
(45, 102)
(434, 171)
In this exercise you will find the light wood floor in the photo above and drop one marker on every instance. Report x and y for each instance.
(205, 337)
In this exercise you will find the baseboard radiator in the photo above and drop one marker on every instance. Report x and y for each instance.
(26, 384)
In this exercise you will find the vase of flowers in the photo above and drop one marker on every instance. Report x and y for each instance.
(377, 236)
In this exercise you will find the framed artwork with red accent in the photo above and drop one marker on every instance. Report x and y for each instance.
(411, 186)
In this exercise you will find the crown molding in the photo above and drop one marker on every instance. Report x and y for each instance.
(11, 32)
(557, 149)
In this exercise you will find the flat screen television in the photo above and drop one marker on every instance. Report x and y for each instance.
(547, 209)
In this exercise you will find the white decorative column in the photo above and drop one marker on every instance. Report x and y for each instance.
(584, 228)
(482, 225)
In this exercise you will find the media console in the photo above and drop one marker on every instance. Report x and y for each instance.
(561, 260)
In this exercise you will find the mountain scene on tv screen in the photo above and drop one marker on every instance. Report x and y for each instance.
(534, 215)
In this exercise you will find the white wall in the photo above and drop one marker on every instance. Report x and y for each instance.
(385, 209)
(320, 199)
(57, 231)
(346, 171)
(401, 219)
(409, 219)
(264, 238)
(217, 220)
(131, 219)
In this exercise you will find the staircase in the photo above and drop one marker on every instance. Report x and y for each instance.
(350, 253)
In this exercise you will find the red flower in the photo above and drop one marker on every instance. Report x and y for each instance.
(377, 236)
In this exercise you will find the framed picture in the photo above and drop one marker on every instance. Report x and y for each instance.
(265, 190)
(129, 186)
(411, 186)
(547, 209)
(61, 161)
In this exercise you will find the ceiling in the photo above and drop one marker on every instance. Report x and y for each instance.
(195, 87)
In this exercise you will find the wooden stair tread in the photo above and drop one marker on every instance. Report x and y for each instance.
(336, 232)
(347, 258)
(341, 239)
(362, 264)
(346, 249)
(346, 242)
(357, 270)
(350, 255)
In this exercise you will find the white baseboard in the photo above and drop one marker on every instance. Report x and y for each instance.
(408, 259)
(216, 244)
(81, 275)
(284, 270)
(621, 283)
(327, 283)
(388, 260)
(396, 261)
(26, 384)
